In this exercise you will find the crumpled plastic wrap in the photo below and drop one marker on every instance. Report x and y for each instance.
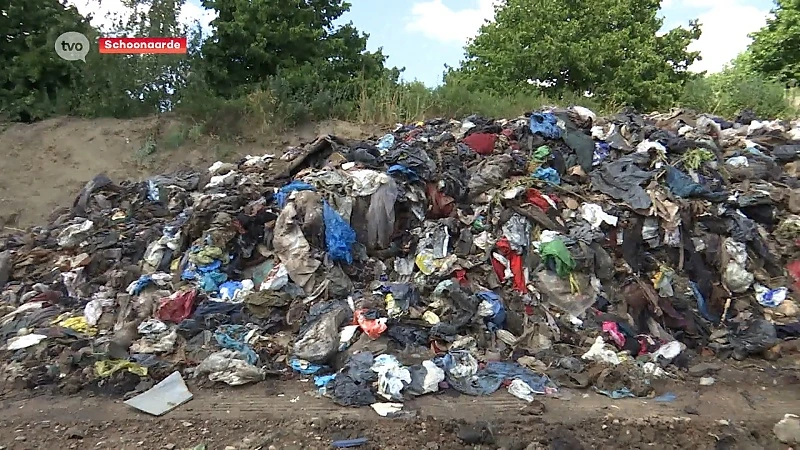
(294, 250)
(229, 367)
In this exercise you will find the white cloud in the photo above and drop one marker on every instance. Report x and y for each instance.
(435, 20)
(725, 25)
(107, 12)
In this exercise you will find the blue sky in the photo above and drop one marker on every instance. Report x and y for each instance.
(424, 35)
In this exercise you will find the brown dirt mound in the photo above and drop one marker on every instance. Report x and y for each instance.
(45, 164)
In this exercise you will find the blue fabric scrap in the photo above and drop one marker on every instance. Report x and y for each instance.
(498, 319)
(684, 186)
(214, 266)
(212, 308)
(545, 124)
(141, 283)
(601, 152)
(227, 290)
(232, 337)
(399, 169)
(210, 281)
(547, 174)
(305, 367)
(616, 395)
(323, 380)
(386, 142)
(702, 306)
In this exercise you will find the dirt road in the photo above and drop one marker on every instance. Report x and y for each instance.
(289, 415)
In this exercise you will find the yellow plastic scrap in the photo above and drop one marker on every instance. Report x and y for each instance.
(657, 277)
(391, 306)
(426, 263)
(431, 317)
(106, 368)
(574, 286)
(78, 324)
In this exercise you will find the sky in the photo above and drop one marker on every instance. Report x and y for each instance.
(424, 35)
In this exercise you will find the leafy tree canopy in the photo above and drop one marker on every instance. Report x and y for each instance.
(775, 50)
(611, 48)
(255, 40)
(32, 75)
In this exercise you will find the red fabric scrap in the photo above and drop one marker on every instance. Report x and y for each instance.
(49, 297)
(461, 276)
(441, 205)
(238, 226)
(482, 143)
(374, 328)
(177, 306)
(514, 260)
(794, 270)
(412, 135)
(536, 198)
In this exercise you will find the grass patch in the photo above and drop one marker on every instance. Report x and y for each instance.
(148, 148)
(175, 137)
(275, 106)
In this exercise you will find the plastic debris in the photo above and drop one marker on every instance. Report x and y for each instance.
(162, 398)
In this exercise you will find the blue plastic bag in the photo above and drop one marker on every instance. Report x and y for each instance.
(232, 337)
(285, 191)
(386, 142)
(339, 235)
(305, 367)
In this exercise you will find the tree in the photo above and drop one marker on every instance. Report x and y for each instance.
(611, 48)
(123, 86)
(34, 81)
(735, 88)
(253, 41)
(776, 47)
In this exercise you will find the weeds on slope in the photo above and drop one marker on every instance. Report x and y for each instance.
(383, 102)
(276, 106)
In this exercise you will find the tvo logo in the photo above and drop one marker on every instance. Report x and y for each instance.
(72, 46)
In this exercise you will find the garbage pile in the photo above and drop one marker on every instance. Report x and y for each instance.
(556, 250)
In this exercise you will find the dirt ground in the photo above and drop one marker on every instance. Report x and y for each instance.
(736, 412)
(45, 164)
